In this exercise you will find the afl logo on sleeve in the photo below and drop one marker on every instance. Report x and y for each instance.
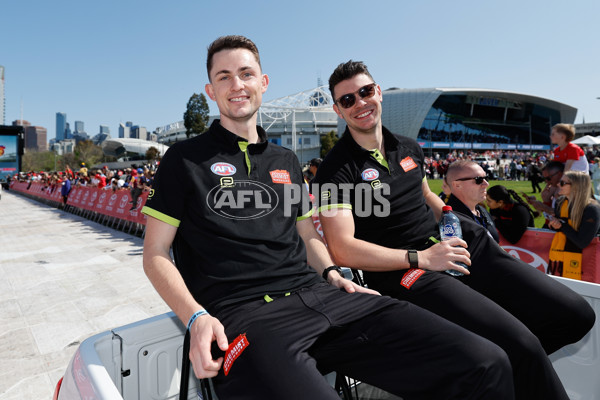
(223, 169)
(370, 174)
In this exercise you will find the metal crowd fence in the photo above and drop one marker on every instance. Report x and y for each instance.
(112, 208)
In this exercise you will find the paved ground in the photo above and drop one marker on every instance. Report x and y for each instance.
(63, 278)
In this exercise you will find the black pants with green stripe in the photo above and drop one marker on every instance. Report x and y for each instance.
(525, 312)
(391, 344)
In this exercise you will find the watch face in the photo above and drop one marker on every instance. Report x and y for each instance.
(413, 259)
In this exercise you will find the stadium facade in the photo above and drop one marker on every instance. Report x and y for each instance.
(296, 122)
(473, 119)
(443, 119)
(129, 148)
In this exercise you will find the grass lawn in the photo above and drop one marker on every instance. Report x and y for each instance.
(518, 186)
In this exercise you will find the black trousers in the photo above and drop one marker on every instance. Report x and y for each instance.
(390, 344)
(525, 312)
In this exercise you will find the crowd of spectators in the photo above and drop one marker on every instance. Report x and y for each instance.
(509, 165)
(137, 178)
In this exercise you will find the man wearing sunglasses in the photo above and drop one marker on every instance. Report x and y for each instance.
(242, 283)
(379, 215)
(552, 172)
(468, 184)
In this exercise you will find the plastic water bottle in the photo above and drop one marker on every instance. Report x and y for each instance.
(449, 228)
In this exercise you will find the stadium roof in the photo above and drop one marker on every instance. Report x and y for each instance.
(120, 147)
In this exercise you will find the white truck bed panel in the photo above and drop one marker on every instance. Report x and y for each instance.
(143, 360)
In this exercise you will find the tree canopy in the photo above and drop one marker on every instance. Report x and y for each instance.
(152, 154)
(195, 118)
(327, 142)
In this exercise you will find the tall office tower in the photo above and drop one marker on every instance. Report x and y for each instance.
(104, 129)
(139, 132)
(61, 126)
(79, 127)
(35, 138)
(68, 133)
(2, 101)
(124, 130)
(21, 122)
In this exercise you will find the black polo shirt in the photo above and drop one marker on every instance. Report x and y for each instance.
(384, 193)
(484, 219)
(235, 205)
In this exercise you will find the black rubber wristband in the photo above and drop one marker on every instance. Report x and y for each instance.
(413, 259)
(333, 267)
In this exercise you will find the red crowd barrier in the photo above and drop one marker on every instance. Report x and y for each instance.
(101, 201)
(534, 249)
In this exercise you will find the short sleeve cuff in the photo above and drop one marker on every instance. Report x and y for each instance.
(305, 216)
(334, 206)
(160, 216)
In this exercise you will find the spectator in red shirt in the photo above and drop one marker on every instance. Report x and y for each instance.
(566, 152)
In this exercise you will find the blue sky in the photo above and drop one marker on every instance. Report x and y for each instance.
(110, 61)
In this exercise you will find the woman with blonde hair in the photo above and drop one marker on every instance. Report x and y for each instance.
(577, 222)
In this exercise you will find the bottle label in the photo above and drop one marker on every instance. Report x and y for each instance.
(449, 230)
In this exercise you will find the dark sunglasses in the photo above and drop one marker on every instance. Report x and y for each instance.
(478, 179)
(549, 177)
(349, 99)
(563, 183)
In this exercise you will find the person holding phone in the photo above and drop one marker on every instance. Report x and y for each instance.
(577, 222)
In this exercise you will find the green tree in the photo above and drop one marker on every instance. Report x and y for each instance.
(195, 117)
(89, 153)
(38, 161)
(327, 142)
(152, 154)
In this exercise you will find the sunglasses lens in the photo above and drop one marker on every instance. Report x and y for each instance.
(347, 100)
(479, 180)
(366, 91)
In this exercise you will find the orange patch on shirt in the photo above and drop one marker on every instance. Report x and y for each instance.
(407, 164)
(280, 176)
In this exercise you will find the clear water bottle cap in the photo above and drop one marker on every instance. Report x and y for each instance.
(446, 208)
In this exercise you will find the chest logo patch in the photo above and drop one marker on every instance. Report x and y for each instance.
(370, 174)
(223, 169)
(280, 176)
(407, 164)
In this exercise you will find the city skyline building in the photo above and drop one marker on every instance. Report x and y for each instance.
(138, 132)
(125, 130)
(2, 99)
(78, 127)
(35, 138)
(21, 122)
(61, 126)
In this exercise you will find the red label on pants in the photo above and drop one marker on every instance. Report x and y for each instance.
(234, 351)
(411, 276)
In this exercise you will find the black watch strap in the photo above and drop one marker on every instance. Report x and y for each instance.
(333, 267)
(413, 259)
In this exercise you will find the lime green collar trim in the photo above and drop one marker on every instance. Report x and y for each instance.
(244, 147)
(380, 158)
